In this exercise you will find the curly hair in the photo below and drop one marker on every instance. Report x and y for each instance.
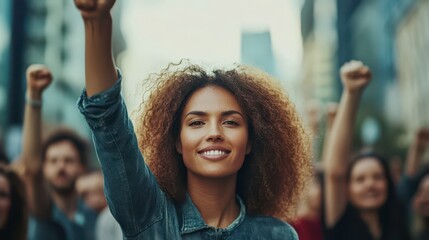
(273, 175)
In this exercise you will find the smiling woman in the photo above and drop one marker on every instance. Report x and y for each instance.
(242, 110)
(227, 153)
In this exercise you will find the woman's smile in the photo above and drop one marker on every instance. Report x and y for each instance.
(214, 153)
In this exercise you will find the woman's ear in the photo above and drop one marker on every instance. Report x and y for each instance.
(179, 146)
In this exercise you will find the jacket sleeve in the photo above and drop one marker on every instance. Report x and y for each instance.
(133, 195)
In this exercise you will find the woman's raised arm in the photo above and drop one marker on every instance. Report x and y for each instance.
(100, 72)
(355, 76)
(132, 192)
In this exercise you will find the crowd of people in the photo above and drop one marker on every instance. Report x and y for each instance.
(214, 155)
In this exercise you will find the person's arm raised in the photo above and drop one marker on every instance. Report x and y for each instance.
(355, 77)
(38, 79)
(100, 72)
(132, 192)
(405, 189)
(416, 151)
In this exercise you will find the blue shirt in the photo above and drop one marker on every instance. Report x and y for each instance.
(134, 197)
(82, 226)
(60, 227)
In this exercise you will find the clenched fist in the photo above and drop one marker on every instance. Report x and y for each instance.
(93, 9)
(38, 78)
(355, 76)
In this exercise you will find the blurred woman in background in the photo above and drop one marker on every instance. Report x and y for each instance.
(360, 198)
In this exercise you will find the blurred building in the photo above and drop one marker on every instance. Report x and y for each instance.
(319, 32)
(256, 50)
(389, 36)
(48, 32)
(55, 38)
(410, 20)
(42, 32)
(5, 36)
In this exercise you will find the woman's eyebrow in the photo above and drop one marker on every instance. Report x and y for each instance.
(197, 113)
(225, 113)
(232, 112)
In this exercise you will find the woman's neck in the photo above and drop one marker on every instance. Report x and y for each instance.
(215, 199)
(371, 218)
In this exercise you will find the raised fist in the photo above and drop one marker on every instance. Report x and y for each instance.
(38, 78)
(355, 76)
(92, 9)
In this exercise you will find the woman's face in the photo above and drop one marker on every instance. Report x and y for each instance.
(367, 184)
(421, 199)
(4, 200)
(214, 137)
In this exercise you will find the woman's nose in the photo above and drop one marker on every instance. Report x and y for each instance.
(215, 133)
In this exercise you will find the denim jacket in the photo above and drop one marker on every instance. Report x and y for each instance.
(134, 197)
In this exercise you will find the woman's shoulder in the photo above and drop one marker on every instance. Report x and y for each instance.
(270, 227)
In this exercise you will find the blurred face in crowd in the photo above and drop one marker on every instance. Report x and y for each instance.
(213, 137)
(5, 202)
(90, 188)
(62, 166)
(421, 199)
(367, 184)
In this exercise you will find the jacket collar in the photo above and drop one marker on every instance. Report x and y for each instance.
(192, 220)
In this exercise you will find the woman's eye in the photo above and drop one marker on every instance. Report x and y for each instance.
(196, 123)
(359, 179)
(229, 122)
